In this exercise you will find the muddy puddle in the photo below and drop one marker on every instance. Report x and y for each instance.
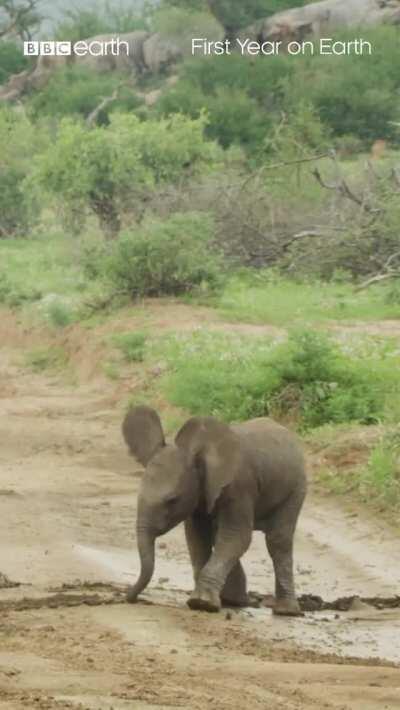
(362, 630)
(68, 639)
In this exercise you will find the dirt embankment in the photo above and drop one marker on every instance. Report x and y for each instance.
(67, 512)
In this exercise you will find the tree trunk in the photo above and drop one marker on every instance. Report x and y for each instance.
(105, 209)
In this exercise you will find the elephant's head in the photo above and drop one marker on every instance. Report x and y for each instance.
(179, 478)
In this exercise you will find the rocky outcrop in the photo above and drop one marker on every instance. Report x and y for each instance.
(146, 53)
(154, 52)
(321, 17)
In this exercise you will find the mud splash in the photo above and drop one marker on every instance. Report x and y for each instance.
(97, 593)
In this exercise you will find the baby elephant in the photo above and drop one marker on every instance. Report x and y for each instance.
(223, 482)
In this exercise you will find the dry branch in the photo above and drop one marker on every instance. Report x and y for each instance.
(16, 17)
(388, 272)
(93, 115)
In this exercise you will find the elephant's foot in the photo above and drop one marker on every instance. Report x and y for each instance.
(287, 607)
(237, 601)
(204, 600)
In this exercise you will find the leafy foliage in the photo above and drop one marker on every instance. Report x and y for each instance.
(164, 258)
(234, 92)
(18, 140)
(19, 17)
(306, 380)
(81, 23)
(77, 91)
(234, 16)
(102, 167)
(132, 345)
(353, 94)
(12, 60)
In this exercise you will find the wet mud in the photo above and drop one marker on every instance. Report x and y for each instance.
(68, 639)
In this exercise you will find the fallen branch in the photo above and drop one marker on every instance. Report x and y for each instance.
(342, 187)
(93, 115)
(388, 272)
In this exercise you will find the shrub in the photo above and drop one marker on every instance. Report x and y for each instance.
(321, 385)
(239, 98)
(306, 380)
(169, 257)
(14, 212)
(19, 139)
(355, 94)
(132, 345)
(59, 314)
(78, 91)
(233, 15)
(81, 23)
(103, 168)
(262, 80)
(12, 60)
(382, 473)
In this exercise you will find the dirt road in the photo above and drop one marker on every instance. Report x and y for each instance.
(67, 511)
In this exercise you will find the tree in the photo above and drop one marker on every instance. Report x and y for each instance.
(234, 15)
(12, 60)
(104, 169)
(18, 18)
(19, 140)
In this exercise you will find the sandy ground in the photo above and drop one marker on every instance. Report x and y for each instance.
(68, 640)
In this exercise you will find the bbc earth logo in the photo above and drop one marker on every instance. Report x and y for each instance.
(96, 48)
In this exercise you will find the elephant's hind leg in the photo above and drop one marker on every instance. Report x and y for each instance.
(234, 592)
(279, 539)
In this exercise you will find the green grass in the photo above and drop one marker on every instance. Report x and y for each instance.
(46, 358)
(259, 298)
(308, 380)
(33, 268)
(376, 481)
(132, 345)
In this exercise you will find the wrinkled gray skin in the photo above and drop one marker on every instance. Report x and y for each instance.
(223, 482)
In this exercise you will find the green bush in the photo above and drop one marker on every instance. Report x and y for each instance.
(59, 314)
(264, 80)
(105, 168)
(132, 345)
(81, 23)
(19, 140)
(306, 380)
(162, 258)
(239, 98)
(321, 385)
(233, 15)
(12, 60)
(14, 212)
(382, 473)
(233, 117)
(78, 91)
(353, 94)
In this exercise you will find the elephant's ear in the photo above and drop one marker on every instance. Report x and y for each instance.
(143, 433)
(216, 449)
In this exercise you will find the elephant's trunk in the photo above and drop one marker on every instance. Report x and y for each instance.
(146, 544)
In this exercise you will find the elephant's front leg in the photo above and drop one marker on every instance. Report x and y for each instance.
(232, 540)
(234, 592)
(198, 533)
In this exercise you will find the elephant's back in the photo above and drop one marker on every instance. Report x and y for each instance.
(264, 432)
(276, 452)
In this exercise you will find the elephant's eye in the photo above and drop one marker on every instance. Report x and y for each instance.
(172, 500)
